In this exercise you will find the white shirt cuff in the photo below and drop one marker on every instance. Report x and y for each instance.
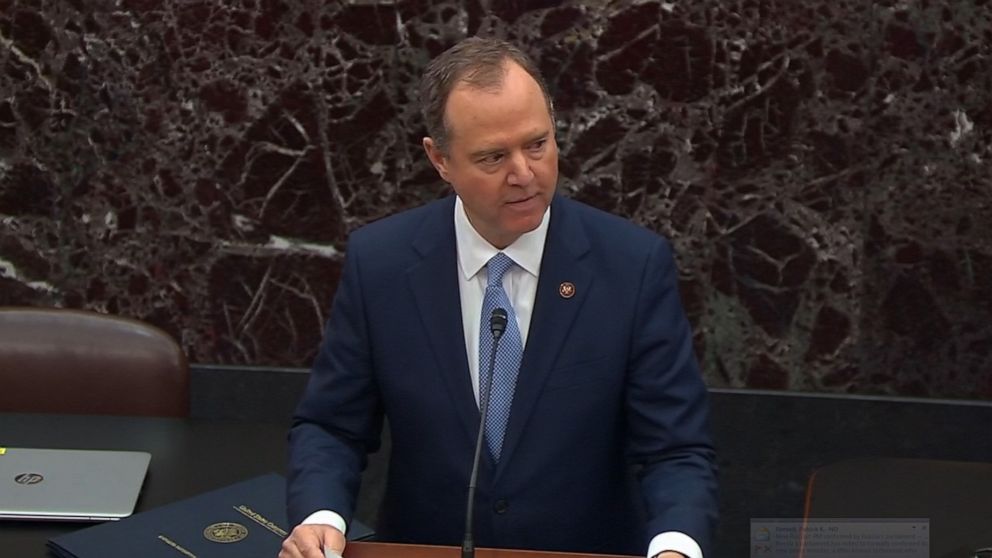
(674, 540)
(327, 517)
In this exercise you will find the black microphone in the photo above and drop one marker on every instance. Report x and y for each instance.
(497, 325)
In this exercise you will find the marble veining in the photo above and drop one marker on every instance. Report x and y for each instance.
(822, 168)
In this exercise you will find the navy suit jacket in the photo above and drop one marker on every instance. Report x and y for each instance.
(607, 442)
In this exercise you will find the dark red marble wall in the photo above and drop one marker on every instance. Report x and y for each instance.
(823, 167)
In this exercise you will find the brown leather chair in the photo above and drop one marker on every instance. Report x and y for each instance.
(80, 362)
(954, 496)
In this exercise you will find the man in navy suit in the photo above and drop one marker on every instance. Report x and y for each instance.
(604, 444)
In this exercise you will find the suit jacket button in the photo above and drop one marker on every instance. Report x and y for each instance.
(501, 506)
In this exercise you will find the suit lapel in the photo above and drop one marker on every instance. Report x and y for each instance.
(553, 316)
(434, 283)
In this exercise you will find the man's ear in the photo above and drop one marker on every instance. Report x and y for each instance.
(437, 158)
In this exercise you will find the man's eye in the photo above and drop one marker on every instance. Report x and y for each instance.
(492, 159)
(538, 145)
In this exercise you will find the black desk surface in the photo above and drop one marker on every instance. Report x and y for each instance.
(188, 457)
(953, 496)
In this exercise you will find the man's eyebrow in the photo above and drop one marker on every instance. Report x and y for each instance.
(536, 136)
(486, 151)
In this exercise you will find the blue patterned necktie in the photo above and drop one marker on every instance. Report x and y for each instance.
(508, 354)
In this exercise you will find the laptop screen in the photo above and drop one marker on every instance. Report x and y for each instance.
(70, 485)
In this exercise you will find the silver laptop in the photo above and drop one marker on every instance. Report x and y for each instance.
(70, 485)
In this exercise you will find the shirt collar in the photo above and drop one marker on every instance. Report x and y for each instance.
(474, 252)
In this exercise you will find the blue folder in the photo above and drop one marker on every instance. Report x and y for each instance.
(243, 520)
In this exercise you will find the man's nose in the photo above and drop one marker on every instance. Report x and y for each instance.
(520, 172)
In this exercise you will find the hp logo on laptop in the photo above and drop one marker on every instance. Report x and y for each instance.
(28, 478)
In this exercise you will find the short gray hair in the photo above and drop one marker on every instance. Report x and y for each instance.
(478, 62)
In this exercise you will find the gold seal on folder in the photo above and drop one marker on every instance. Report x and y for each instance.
(225, 532)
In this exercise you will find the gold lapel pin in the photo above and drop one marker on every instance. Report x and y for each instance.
(566, 289)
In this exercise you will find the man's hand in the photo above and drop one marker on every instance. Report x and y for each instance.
(311, 541)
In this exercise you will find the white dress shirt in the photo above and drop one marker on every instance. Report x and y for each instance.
(520, 283)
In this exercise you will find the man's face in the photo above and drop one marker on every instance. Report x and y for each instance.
(502, 158)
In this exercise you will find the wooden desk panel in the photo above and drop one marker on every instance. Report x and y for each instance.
(388, 550)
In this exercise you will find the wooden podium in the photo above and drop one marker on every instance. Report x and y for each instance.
(391, 550)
